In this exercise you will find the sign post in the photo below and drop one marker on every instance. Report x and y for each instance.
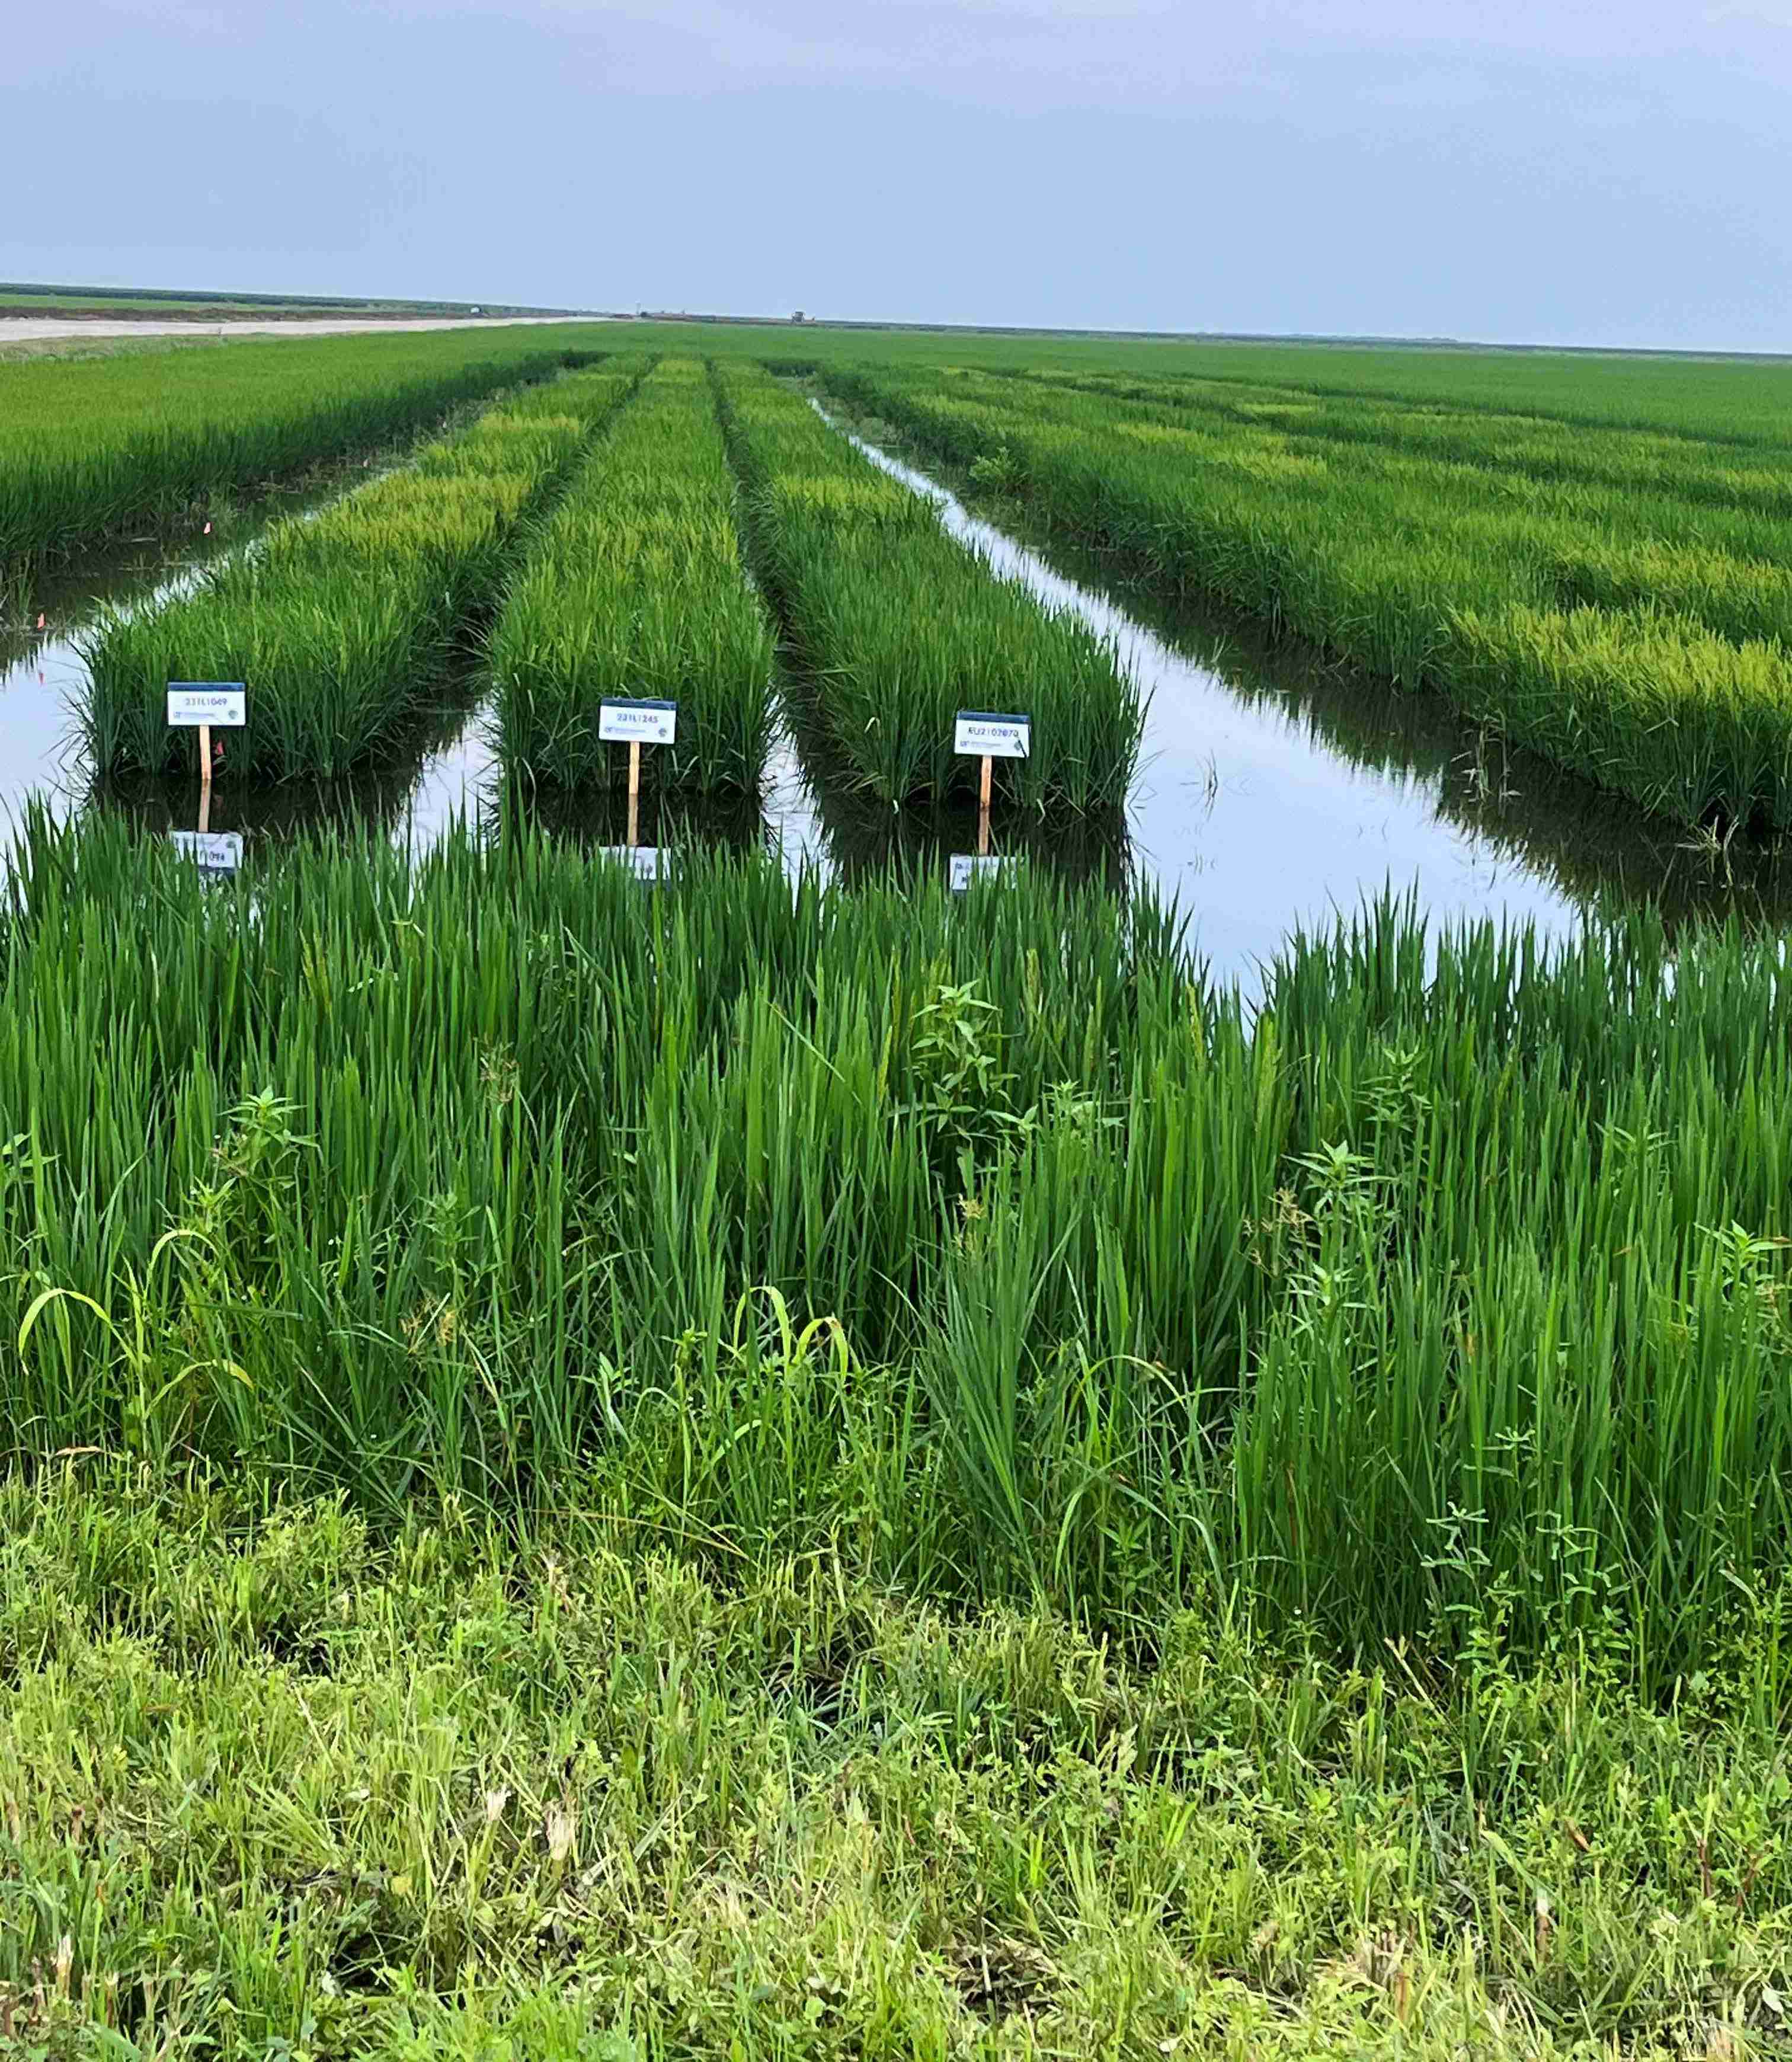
(983, 734)
(198, 705)
(635, 724)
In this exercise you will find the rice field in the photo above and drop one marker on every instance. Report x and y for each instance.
(342, 624)
(637, 590)
(1615, 599)
(789, 1463)
(89, 449)
(487, 1173)
(896, 627)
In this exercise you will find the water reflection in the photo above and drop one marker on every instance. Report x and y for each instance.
(918, 843)
(596, 818)
(1276, 789)
(44, 680)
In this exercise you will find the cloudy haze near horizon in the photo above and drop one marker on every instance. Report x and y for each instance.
(1524, 172)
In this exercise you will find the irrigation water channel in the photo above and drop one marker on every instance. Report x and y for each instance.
(1274, 794)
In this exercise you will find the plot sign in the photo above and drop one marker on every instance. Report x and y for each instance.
(979, 734)
(646, 862)
(966, 867)
(207, 705)
(637, 723)
(212, 851)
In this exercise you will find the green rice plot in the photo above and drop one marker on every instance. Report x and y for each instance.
(341, 625)
(1642, 645)
(486, 1172)
(90, 447)
(636, 590)
(897, 627)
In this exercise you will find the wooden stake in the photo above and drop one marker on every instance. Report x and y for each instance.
(989, 776)
(205, 777)
(983, 808)
(634, 792)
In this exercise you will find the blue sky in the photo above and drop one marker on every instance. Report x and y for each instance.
(1560, 172)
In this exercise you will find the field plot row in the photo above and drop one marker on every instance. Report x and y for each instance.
(342, 622)
(896, 626)
(89, 448)
(1618, 600)
(1408, 1290)
(591, 528)
(637, 590)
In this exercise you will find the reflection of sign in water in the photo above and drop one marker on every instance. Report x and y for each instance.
(966, 867)
(207, 705)
(645, 861)
(981, 734)
(212, 851)
(637, 723)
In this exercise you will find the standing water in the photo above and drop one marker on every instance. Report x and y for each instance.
(1275, 792)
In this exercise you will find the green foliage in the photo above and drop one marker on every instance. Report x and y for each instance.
(898, 627)
(89, 449)
(272, 1785)
(1616, 599)
(970, 1234)
(341, 624)
(637, 589)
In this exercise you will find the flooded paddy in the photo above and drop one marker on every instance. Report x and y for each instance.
(1275, 792)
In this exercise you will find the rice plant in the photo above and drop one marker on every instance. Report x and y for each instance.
(1456, 1272)
(340, 624)
(1615, 600)
(91, 448)
(636, 590)
(896, 626)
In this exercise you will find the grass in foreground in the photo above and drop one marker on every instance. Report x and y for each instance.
(272, 1785)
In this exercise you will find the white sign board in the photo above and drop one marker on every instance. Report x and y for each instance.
(224, 704)
(981, 734)
(966, 867)
(637, 723)
(212, 851)
(645, 861)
